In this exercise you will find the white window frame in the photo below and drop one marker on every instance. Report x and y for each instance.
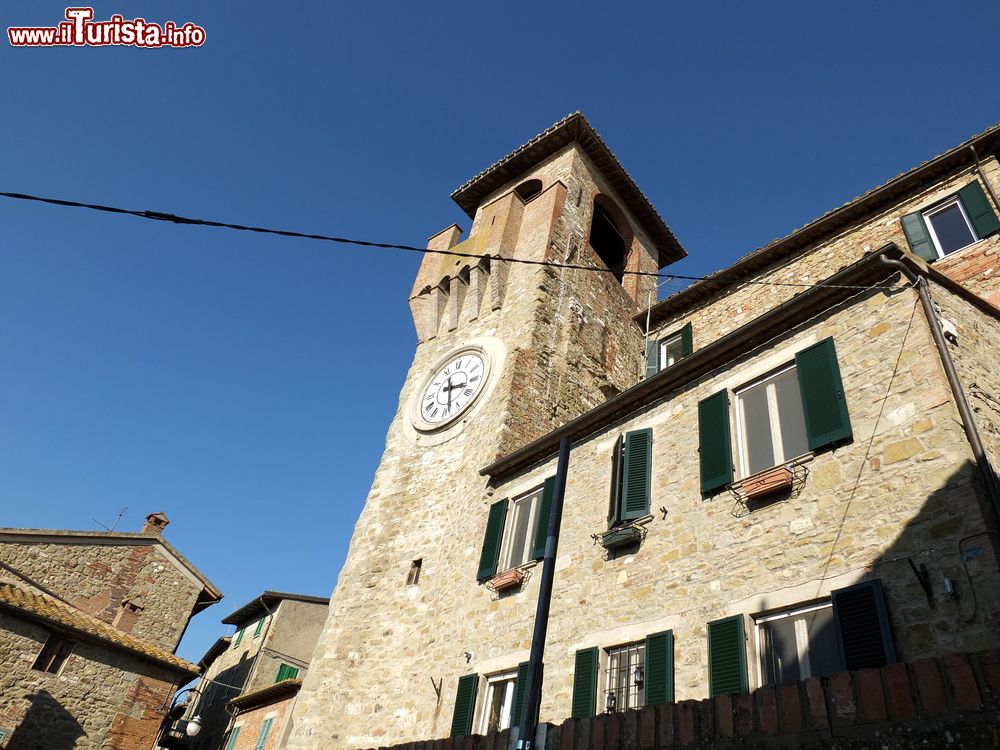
(772, 408)
(801, 635)
(511, 688)
(605, 665)
(504, 561)
(661, 350)
(928, 213)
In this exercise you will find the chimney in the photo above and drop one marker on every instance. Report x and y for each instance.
(128, 614)
(155, 523)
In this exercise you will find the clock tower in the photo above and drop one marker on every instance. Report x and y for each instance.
(506, 352)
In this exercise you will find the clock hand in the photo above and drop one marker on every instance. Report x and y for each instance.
(449, 389)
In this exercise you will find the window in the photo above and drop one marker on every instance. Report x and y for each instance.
(631, 463)
(233, 737)
(625, 677)
(797, 644)
(265, 730)
(662, 353)
(516, 531)
(635, 675)
(53, 655)
(498, 706)
(259, 628)
(952, 224)
(286, 672)
(413, 576)
(522, 518)
(799, 408)
(770, 424)
(239, 637)
(608, 237)
(528, 189)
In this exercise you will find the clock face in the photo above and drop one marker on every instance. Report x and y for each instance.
(453, 389)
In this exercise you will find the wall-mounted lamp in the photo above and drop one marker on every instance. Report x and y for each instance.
(639, 676)
(610, 702)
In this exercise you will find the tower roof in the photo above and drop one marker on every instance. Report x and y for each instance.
(570, 129)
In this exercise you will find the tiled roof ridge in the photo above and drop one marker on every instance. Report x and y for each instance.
(23, 598)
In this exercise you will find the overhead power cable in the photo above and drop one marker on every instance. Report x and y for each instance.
(175, 219)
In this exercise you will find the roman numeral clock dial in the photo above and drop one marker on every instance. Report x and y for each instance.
(453, 388)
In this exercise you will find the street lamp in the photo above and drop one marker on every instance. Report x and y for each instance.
(193, 726)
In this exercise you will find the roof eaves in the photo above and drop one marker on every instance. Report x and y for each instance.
(254, 606)
(266, 694)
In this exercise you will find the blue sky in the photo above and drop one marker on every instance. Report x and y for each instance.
(244, 384)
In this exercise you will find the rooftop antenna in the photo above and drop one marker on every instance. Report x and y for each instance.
(119, 518)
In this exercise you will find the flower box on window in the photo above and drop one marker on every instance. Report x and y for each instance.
(767, 482)
(620, 537)
(509, 579)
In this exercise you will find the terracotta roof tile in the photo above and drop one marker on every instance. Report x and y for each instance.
(24, 600)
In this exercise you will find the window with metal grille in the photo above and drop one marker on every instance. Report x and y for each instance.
(623, 686)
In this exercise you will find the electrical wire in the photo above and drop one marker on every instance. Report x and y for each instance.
(187, 220)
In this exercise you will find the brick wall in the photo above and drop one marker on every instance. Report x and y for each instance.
(952, 701)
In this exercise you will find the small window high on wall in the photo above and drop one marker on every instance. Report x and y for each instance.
(608, 241)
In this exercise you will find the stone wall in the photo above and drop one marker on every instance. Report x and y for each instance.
(97, 578)
(904, 489)
(975, 266)
(101, 699)
(952, 702)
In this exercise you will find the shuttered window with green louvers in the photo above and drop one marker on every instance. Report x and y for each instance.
(465, 704)
(978, 209)
(631, 471)
(519, 688)
(714, 442)
(824, 403)
(862, 626)
(585, 683)
(491, 541)
(659, 681)
(544, 514)
(727, 656)
(636, 468)
(286, 672)
(953, 229)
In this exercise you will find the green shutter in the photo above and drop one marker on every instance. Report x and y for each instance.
(687, 342)
(465, 704)
(544, 511)
(978, 208)
(863, 635)
(233, 736)
(585, 683)
(265, 730)
(260, 626)
(918, 237)
(714, 442)
(727, 656)
(239, 637)
(287, 672)
(491, 542)
(660, 668)
(615, 502)
(635, 477)
(823, 402)
(652, 357)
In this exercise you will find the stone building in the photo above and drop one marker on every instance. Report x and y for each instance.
(250, 678)
(783, 471)
(89, 623)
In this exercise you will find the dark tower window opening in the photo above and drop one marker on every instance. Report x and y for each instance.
(413, 577)
(607, 241)
(528, 189)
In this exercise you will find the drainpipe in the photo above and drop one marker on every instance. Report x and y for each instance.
(968, 421)
(982, 177)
